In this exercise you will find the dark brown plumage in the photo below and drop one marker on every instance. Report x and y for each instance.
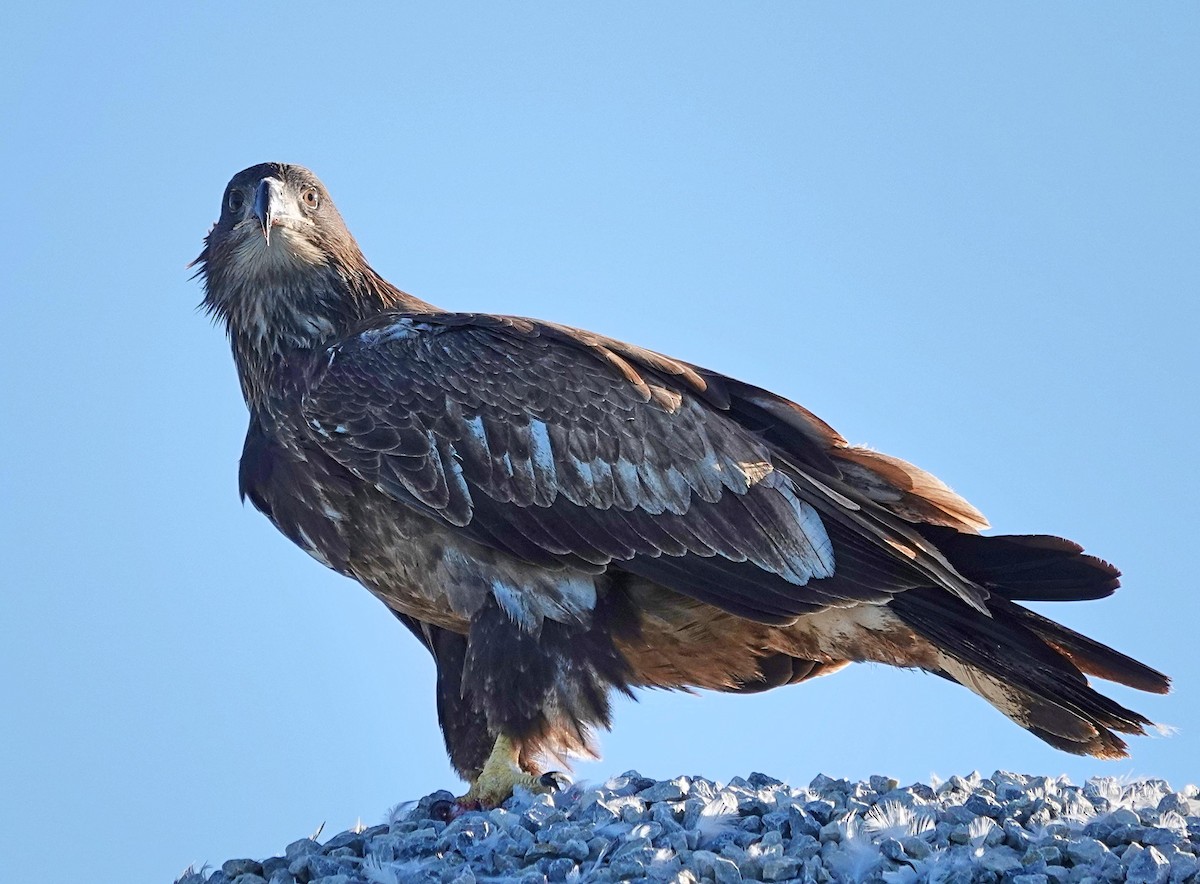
(556, 514)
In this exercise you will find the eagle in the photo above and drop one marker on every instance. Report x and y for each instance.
(557, 515)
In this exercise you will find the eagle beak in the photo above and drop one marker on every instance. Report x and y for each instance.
(269, 205)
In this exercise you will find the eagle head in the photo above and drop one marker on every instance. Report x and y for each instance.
(276, 220)
(280, 267)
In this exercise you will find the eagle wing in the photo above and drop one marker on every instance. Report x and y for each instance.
(570, 450)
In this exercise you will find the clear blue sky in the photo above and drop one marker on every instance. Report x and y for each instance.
(965, 234)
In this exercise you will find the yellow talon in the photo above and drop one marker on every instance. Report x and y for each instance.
(499, 776)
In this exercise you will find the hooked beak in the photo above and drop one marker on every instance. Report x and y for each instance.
(270, 205)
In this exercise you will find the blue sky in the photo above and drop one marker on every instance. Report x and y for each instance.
(965, 234)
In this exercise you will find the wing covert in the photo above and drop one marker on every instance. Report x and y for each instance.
(566, 453)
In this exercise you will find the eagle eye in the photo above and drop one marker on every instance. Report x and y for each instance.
(311, 198)
(236, 200)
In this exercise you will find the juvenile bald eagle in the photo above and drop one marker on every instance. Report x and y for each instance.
(556, 514)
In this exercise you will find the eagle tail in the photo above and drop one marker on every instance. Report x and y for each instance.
(1044, 568)
(1032, 669)
(1026, 567)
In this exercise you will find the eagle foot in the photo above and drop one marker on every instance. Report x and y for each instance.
(500, 775)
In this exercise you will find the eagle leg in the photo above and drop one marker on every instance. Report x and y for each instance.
(535, 687)
(501, 774)
(492, 764)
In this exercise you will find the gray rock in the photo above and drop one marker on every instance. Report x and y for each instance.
(664, 869)
(725, 871)
(1086, 851)
(1009, 792)
(575, 849)
(271, 864)
(1050, 855)
(982, 805)
(1125, 835)
(1175, 802)
(772, 839)
(1129, 854)
(803, 847)
(780, 868)
(882, 784)
(235, 867)
(628, 867)
(763, 781)
(822, 810)
(668, 790)
(352, 840)
(831, 832)
(922, 791)
(310, 867)
(678, 842)
(1111, 869)
(775, 820)
(1160, 837)
(1123, 816)
(302, 847)
(1184, 867)
(801, 822)
(1015, 836)
(666, 816)
(1147, 867)
(1000, 860)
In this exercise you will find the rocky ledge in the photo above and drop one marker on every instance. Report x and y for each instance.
(1006, 828)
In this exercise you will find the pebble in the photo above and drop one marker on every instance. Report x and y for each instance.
(1008, 827)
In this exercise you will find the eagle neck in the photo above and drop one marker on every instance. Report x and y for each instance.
(282, 323)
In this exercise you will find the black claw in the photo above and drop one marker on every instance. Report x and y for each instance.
(556, 780)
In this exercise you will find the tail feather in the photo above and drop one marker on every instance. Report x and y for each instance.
(1104, 745)
(1089, 655)
(1026, 567)
(1023, 667)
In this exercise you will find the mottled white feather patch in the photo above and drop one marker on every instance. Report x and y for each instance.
(400, 330)
(288, 252)
(991, 689)
(811, 555)
(516, 604)
(562, 597)
(891, 819)
(540, 452)
(864, 633)
(718, 816)
(755, 470)
(306, 544)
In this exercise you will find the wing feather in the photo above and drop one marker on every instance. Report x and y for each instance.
(568, 449)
